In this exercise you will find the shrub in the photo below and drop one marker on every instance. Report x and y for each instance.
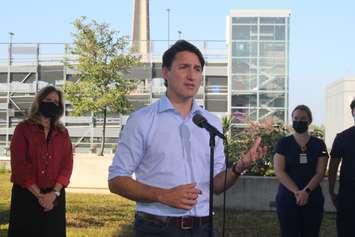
(240, 141)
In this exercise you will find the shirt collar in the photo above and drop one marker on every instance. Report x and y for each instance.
(165, 104)
(35, 127)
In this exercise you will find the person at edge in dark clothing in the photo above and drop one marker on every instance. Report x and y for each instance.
(41, 166)
(300, 161)
(343, 150)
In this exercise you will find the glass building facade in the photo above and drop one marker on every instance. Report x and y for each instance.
(258, 65)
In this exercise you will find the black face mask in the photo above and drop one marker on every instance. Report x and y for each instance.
(300, 126)
(48, 109)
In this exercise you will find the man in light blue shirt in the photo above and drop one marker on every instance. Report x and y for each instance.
(169, 154)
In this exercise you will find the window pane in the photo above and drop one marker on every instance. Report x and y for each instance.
(272, 32)
(272, 82)
(245, 20)
(216, 103)
(244, 65)
(244, 49)
(272, 99)
(244, 100)
(267, 32)
(244, 82)
(243, 115)
(216, 80)
(272, 49)
(277, 115)
(280, 32)
(244, 32)
(269, 66)
(272, 20)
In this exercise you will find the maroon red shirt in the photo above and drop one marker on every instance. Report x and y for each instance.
(36, 160)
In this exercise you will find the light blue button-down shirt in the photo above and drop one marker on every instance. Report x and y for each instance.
(164, 150)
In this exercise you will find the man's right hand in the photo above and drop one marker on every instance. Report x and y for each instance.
(182, 196)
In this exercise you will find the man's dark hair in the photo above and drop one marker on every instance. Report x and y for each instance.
(352, 105)
(179, 46)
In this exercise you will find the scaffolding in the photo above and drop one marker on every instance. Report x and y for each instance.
(25, 68)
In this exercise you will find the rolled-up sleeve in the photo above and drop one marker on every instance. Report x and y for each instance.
(21, 166)
(130, 149)
(67, 162)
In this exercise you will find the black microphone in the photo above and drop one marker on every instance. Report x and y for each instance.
(201, 122)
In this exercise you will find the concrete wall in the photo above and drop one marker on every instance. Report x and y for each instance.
(338, 117)
(258, 193)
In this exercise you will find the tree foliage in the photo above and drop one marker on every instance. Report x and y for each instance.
(102, 61)
(317, 131)
(269, 131)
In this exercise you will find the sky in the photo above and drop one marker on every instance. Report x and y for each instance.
(322, 32)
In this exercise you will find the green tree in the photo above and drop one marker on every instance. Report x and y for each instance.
(102, 61)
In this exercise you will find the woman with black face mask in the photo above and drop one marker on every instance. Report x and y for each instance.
(300, 161)
(41, 165)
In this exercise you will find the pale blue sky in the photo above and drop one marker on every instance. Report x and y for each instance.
(322, 35)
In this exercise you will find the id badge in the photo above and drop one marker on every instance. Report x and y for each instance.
(303, 158)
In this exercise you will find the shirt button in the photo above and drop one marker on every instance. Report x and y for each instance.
(49, 156)
(42, 172)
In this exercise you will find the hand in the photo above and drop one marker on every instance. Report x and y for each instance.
(256, 152)
(182, 196)
(301, 197)
(333, 197)
(47, 206)
(47, 200)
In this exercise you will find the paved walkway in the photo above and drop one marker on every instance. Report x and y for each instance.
(90, 173)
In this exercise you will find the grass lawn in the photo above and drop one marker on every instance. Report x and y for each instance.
(106, 215)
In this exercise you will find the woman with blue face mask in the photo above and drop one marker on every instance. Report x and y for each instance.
(300, 161)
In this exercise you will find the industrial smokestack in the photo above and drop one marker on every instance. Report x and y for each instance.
(141, 32)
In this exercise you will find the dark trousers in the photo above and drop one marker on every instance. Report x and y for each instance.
(300, 221)
(27, 217)
(346, 221)
(146, 228)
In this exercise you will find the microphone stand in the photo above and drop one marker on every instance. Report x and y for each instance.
(212, 146)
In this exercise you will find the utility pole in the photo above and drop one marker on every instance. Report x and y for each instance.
(168, 10)
(11, 34)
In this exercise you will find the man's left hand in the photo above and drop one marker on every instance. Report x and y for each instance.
(256, 152)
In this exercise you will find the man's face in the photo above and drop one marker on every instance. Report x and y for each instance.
(183, 77)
